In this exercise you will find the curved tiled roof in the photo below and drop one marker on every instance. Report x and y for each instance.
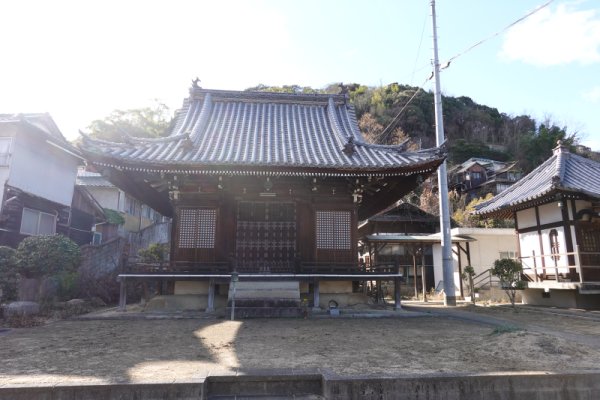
(564, 171)
(218, 128)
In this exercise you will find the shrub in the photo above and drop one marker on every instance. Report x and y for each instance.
(156, 252)
(509, 273)
(9, 277)
(42, 256)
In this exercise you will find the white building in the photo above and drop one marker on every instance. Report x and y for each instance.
(37, 177)
(556, 211)
(477, 247)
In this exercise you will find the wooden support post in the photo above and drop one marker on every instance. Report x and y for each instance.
(578, 257)
(534, 265)
(423, 277)
(122, 295)
(415, 275)
(397, 304)
(210, 307)
(316, 294)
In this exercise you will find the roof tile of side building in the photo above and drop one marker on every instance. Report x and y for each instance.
(88, 178)
(257, 129)
(564, 172)
(41, 121)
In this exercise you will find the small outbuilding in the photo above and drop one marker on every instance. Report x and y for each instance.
(556, 209)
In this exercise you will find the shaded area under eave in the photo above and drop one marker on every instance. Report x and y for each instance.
(134, 180)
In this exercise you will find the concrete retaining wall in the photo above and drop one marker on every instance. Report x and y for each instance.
(509, 386)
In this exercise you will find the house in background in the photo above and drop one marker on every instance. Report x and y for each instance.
(556, 209)
(479, 176)
(37, 178)
(124, 214)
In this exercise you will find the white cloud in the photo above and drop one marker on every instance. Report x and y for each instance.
(592, 95)
(553, 37)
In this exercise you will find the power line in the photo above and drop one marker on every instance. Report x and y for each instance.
(447, 64)
(386, 132)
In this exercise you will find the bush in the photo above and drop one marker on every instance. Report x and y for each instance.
(156, 252)
(42, 256)
(509, 272)
(9, 276)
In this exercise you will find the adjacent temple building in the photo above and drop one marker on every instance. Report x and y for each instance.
(267, 187)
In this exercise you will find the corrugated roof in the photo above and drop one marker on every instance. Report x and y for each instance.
(258, 129)
(563, 172)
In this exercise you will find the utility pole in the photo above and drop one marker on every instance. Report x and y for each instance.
(447, 263)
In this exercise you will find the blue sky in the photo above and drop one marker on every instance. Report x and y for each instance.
(80, 60)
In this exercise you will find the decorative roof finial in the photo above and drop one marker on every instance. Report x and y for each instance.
(560, 147)
(343, 88)
(349, 147)
(195, 83)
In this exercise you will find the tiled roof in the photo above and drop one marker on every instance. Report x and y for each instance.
(248, 130)
(563, 172)
(42, 121)
(87, 178)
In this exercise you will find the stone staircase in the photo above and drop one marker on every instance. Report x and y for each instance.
(265, 299)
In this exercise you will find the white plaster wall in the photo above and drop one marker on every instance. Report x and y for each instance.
(488, 245)
(106, 197)
(438, 270)
(484, 251)
(529, 243)
(5, 131)
(549, 213)
(43, 170)
(526, 218)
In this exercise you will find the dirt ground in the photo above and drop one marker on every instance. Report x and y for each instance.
(167, 350)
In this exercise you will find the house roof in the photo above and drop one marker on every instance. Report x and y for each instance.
(564, 172)
(87, 178)
(42, 121)
(44, 125)
(219, 130)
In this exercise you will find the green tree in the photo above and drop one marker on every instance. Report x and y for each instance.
(509, 273)
(536, 147)
(9, 276)
(146, 122)
(467, 276)
(43, 256)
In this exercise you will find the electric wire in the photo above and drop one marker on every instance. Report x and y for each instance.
(388, 129)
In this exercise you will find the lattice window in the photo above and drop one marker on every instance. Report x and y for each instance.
(333, 230)
(197, 228)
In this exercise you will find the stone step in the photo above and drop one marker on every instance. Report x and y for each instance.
(267, 312)
(266, 290)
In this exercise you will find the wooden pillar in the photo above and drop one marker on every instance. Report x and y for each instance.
(122, 294)
(210, 307)
(423, 277)
(397, 305)
(415, 274)
(316, 296)
(460, 250)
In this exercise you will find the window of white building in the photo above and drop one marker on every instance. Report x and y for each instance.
(34, 222)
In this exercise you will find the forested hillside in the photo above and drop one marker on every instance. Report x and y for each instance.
(387, 115)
